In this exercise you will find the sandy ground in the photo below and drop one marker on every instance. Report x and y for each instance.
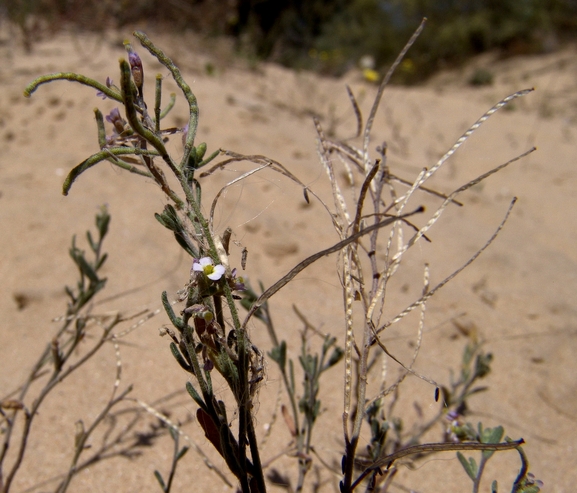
(520, 294)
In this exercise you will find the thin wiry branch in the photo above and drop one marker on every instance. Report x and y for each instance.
(430, 293)
(384, 82)
(283, 281)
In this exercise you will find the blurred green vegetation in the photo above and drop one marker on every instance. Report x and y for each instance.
(328, 36)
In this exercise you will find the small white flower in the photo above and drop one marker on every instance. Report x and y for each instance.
(206, 265)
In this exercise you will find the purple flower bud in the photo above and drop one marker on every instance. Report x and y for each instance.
(116, 120)
(135, 67)
(235, 282)
(113, 115)
(109, 84)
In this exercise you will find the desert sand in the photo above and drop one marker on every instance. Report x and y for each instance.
(520, 295)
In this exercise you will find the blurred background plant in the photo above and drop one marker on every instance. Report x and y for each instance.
(67, 352)
(329, 36)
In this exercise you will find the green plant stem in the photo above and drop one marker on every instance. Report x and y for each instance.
(189, 144)
(100, 128)
(107, 154)
(189, 342)
(185, 88)
(477, 481)
(169, 106)
(243, 397)
(135, 123)
(71, 76)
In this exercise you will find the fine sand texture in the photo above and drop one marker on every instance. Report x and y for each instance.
(519, 296)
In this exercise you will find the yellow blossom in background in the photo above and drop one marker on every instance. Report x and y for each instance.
(371, 75)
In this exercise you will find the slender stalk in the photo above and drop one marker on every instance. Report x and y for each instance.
(71, 76)
(185, 88)
(435, 447)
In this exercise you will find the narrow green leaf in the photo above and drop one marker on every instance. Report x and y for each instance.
(316, 410)
(101, 261)
(176, 321)
(98, 286)
(195, 395)
(209, 158)
(282, 360)
(308, 363)
(169, 106)
(102, 222)
(180, 239)
(483, 365)
(30, 88)
(81, 168)
(100, 128)
(169, 218)
(158, 477)
(70, 294)
(530, 489)
(198, 190)
(476, 390)
(491, 435)
(93, 160)
(182, 453)
(469, 465)
(173, 433)
(226, 367)
(336, 356)
(278, 355)
(87, 269)
(200, 152)
(162, 219)
(93, 246)
(328, 342)
(179, 358)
